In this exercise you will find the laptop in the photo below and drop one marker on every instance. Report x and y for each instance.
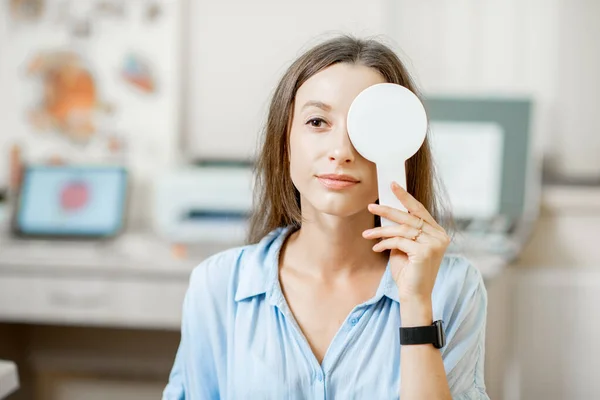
(485, 159)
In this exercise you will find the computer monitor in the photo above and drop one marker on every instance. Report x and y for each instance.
(71, 201)
(485, 156)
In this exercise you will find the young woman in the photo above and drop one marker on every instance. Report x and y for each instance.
(313, 307)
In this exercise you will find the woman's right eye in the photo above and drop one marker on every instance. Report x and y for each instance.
(316, 122)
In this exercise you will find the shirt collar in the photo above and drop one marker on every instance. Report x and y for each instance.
(387, 287)
(260, 273)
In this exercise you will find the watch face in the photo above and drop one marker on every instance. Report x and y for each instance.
(441, 335)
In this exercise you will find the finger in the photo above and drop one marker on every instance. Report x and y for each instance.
(413, 205)
(402, 217)
(402, 230)
(406, 245)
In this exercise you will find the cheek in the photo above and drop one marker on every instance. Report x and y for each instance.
(372, 181)
(299, 158)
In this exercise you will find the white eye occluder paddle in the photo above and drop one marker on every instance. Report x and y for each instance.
(387, 125)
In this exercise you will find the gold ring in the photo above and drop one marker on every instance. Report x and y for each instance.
(418, 234)
(421, 223)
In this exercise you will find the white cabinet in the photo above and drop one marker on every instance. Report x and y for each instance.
(76, 388)
(133, 282)
(9, 378)
(557, 292)
(498, 339)
(557, 331)
(151, 303)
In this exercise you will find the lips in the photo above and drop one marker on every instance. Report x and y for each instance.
(337, 182)
(339, 177)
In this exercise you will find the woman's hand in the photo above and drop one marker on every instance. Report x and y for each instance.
(417, 245)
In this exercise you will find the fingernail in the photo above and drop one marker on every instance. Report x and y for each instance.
(395, 185)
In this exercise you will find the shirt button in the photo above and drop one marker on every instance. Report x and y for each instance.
(319, 376)
(354, 321)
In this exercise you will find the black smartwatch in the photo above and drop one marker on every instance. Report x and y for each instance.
(433, 334)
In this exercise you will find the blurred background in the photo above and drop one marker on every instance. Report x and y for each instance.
(127, 136)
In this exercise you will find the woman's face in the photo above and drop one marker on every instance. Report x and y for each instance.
(319, 143)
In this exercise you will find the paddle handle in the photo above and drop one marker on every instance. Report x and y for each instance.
(385, 176)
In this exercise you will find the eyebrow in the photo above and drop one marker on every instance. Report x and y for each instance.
(318, 104)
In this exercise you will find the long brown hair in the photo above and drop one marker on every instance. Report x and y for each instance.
(276, 200)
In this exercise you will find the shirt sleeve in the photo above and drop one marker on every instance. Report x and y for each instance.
(465, 322)
(195, 372)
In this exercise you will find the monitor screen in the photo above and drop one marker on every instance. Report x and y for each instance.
(72, 201)
(508, 173)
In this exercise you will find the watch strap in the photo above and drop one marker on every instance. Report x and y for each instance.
(432, 334)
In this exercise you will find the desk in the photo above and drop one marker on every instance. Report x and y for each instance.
(131, 282)
(9, 379)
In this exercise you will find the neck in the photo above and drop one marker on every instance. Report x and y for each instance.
(328, 246)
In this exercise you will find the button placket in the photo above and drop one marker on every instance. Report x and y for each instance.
(320, 376)
(319, 387)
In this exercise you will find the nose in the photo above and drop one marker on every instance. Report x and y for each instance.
(341, 149)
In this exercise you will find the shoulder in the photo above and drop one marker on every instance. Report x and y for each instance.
(213, 275)
(226, 275)
(461, 303)
(457, 269)
(459, 285)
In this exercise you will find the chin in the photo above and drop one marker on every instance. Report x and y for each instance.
(339, 206)
(343, 203)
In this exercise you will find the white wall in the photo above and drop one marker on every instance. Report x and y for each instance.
(238, 51)
(578, 88)
(543, 48)
(480, 46)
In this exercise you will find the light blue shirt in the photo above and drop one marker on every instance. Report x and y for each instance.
(239, 339)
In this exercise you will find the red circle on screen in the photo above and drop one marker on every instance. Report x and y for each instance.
(74, 196)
